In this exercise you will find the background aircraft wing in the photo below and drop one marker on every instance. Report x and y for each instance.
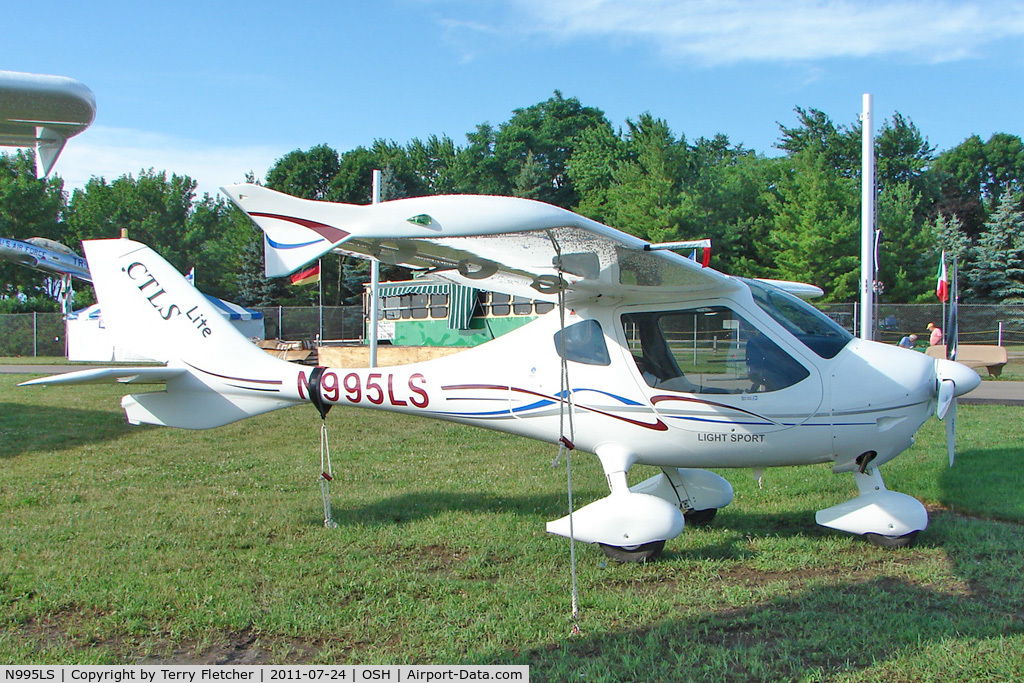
(502, 244)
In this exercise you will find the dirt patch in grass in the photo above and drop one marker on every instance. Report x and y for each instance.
(240, 647)
(243, 647)
(431, 559)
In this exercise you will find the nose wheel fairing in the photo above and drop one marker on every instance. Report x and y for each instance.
(876, 511)
(651, 511)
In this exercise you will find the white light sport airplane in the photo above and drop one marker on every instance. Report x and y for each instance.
(772, 381)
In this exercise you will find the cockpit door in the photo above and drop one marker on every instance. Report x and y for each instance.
(721, 372)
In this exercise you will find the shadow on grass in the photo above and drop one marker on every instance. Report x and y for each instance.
(986, 482)
(411, 507)
(828, 625)
(813, 634)
(416, 506)
(34, 428)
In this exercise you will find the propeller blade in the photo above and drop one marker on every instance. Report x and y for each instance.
(951, 432)
(947, 395)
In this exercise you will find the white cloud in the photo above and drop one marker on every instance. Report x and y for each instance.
(113, 152)
(729, 31)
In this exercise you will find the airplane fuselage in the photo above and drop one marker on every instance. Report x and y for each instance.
(43, 259)
(867, 398)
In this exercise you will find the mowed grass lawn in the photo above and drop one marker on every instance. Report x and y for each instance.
(122, 544)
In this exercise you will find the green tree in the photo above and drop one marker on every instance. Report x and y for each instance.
(544, 135)
(1004, 157)
(996, 268)
(839, 145)
(645, 197)
(904, 157)
(975, 174)
(725, 201)
(308, 174)
(253, 286)
(29, 207)
(591, 168)
(949, 236)
(902, 265)
(530, 182)
(815, 234)
(435, 164)
(164, 214)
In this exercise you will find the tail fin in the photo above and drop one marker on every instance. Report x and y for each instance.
(295, 231)
(151, 308)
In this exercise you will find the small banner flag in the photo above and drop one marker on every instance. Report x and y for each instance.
(942, 286)
(307, 276)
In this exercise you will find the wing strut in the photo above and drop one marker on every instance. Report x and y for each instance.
(565, 442)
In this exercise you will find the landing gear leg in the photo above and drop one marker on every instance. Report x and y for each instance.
(615, 470)
(699, 494)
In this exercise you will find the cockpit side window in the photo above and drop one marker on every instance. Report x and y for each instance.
(814, 329)
(707, 350)
(583, 342)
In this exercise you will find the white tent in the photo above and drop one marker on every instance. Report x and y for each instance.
(89, 340)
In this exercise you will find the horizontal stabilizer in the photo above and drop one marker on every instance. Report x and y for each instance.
(144, 375)
(201, 409)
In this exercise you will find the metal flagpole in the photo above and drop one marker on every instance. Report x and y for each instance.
(374, 284)
(867, 222)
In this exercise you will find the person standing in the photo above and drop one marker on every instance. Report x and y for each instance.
(935, 334)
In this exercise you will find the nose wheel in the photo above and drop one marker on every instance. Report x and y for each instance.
(634, 553)
(904, 541)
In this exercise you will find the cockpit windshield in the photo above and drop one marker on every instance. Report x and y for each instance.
(814, 329)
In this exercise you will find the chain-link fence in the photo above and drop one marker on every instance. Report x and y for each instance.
(32, 334)
(311, 323)
(978, 323)
(42, 334)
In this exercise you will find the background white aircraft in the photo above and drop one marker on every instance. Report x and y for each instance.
(612, 371)
(42, 112)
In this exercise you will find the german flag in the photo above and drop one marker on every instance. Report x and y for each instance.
(307, 276)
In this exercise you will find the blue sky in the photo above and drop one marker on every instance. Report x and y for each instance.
(216, 89)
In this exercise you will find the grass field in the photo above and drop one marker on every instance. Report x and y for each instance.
(145, 545)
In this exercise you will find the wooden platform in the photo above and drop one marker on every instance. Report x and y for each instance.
(387, 355)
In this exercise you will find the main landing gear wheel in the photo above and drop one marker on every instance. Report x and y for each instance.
(700, 517)
(881, 541)
(633, 553)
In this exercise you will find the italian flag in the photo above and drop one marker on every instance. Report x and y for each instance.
(307, 276)
(942, 286)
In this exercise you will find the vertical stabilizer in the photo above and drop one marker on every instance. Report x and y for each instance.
(152, 310)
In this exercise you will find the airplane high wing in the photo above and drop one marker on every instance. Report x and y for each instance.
(467, 238)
